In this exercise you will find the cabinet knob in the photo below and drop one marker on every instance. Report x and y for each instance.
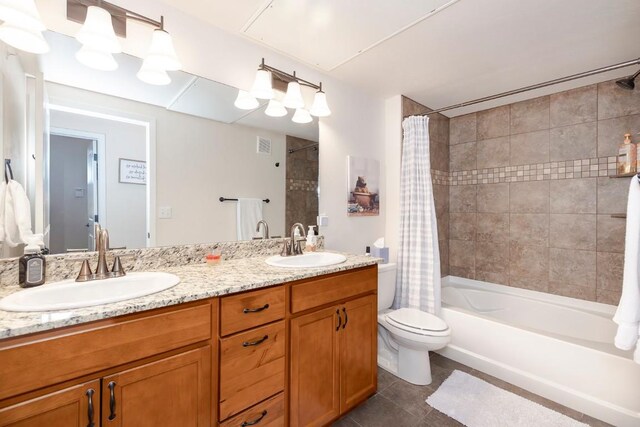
(257, 342)
(255, 310)
(256, 421)
(90, 409)
(112, 400)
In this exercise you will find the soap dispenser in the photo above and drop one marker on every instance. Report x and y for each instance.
(312, 240)
(32, 266)
(626, 156)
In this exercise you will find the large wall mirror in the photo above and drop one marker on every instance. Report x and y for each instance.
(149, 163)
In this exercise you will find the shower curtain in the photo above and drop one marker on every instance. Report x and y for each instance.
(418, 275)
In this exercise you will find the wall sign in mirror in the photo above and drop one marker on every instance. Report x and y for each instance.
(194, 144)
(133, 172)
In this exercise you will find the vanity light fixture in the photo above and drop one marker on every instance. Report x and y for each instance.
(22, 26)
(263, 89)
(99, 39)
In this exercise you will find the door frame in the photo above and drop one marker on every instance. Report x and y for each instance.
(102, 178)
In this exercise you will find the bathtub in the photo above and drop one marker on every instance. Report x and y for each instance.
(560, 348)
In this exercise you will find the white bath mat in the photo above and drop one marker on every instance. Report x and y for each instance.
(476, 403)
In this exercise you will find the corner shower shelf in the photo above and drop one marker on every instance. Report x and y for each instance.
(619, 215)
(624, 175)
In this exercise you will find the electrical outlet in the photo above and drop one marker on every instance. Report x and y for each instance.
(164, 212)
(322, 220)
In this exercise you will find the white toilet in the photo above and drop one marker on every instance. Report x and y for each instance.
(406, 335)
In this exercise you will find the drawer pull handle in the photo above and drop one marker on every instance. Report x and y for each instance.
(339, 319)
(346, 318)
(255, 310)
(90, 393)
(112, 400)
(256, 421)
(257, 342)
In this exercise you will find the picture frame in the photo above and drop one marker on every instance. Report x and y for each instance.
(363, 186)
(132, 171)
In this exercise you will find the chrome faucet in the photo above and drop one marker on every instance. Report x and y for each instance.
(292, 247)
(102, 271)
(265, 229)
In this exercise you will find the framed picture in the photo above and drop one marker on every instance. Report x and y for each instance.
(363, 198)
(132, 172)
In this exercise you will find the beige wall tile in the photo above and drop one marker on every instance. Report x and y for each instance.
(443, 226)
(616, 102)
(529, 197)
(493, 277)
(527, 148)
(574, 106)
(573, 195)
(467, 273)
(572, 267)
(580, 292)
(608, 297)
(529, 229)
(462, 198)
(610, 234)
(492, 257)
(462, 226)
(613, 194)
(611, 133)
(610, 267)
(493, 123)
(439, 153)
(530, 115)
(492, 227)
(463, 156)
(528, 262)
(493, 198)
(444, 257)
(572, 231)
(462, 253)
(462, 129)
(439, 129)
(573, 142)
(492, 153)
(441, 198)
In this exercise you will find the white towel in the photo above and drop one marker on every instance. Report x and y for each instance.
(17, 215)
(249, 212)
(628, 313)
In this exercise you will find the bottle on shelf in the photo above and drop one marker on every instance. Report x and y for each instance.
(627, 155)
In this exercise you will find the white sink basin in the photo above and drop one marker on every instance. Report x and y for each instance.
(71, 294)
(308, 260)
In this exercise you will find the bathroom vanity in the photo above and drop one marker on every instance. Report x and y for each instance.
(270, 348)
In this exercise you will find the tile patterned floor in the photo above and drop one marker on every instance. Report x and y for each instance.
(399, 404)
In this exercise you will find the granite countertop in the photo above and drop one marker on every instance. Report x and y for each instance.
(197, 281)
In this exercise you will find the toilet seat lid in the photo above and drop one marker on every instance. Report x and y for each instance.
(416, 319)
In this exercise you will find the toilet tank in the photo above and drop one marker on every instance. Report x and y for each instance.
(386, 285)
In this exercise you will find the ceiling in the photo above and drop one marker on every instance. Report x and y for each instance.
(439, 52)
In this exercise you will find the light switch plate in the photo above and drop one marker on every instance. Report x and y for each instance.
(322, 220)
(164, 212)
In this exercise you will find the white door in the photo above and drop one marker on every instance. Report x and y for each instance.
(92, 194)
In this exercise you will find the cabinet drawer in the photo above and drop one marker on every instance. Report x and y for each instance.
(269, 413)
(30, 363)
(318, 292)
(251, 309)
(252, 367)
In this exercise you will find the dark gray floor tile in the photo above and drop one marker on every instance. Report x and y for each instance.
(438, 419)
(345, 421)
(446, 363)
(409, 397)
(385, 379)
(379, 411)
(594, 422)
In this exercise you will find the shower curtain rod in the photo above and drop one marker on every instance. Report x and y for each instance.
(538, 86)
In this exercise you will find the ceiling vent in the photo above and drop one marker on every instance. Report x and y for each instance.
(264, 146)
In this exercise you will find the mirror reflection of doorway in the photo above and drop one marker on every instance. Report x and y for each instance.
(73, 185)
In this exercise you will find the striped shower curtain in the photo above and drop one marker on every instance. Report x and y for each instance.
(418, 275)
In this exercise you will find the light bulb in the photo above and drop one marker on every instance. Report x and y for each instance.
(96, 59)
(302, 116)
(162, 55)
(97, 31)
(21, 13)
(23, 38)
(320, 108)
(245, 101)
(275, 109)
(153, 76)
(293, 97)
(262, 88)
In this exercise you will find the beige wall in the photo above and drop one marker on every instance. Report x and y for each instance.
(531, 200)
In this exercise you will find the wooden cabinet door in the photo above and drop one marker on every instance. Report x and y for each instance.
(358, 351)
(175, 391)
(77, 406)
(314, 377)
